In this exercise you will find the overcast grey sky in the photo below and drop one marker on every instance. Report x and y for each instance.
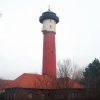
(21, 39)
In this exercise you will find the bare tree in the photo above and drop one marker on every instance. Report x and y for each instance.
(64, 73)
(68, 69)
(63, 82)
(68, 75)
(78, 75)
(64, 68)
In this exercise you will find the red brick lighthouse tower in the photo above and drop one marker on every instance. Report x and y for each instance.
(49, 21)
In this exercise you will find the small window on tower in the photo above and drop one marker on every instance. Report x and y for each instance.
(50, 20)
(50, 26)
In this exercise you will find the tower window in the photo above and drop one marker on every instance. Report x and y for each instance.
(50, 26)
(50, 20)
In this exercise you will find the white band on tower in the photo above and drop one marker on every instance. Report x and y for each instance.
(49, 25)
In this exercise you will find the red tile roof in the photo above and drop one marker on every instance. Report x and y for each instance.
(31, 81)
(37, 81)
(5, 83)
(76, 85)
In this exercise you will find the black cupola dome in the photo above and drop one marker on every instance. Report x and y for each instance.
(48, 15)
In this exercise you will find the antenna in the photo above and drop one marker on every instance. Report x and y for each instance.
(49, 8)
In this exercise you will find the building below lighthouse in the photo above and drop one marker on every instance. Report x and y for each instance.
(46, 86)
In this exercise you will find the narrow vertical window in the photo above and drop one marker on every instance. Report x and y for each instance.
(50, 20)
(50, 26)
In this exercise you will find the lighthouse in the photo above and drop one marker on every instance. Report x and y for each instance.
(49, 21)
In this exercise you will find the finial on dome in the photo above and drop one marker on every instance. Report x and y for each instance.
(49, 8)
